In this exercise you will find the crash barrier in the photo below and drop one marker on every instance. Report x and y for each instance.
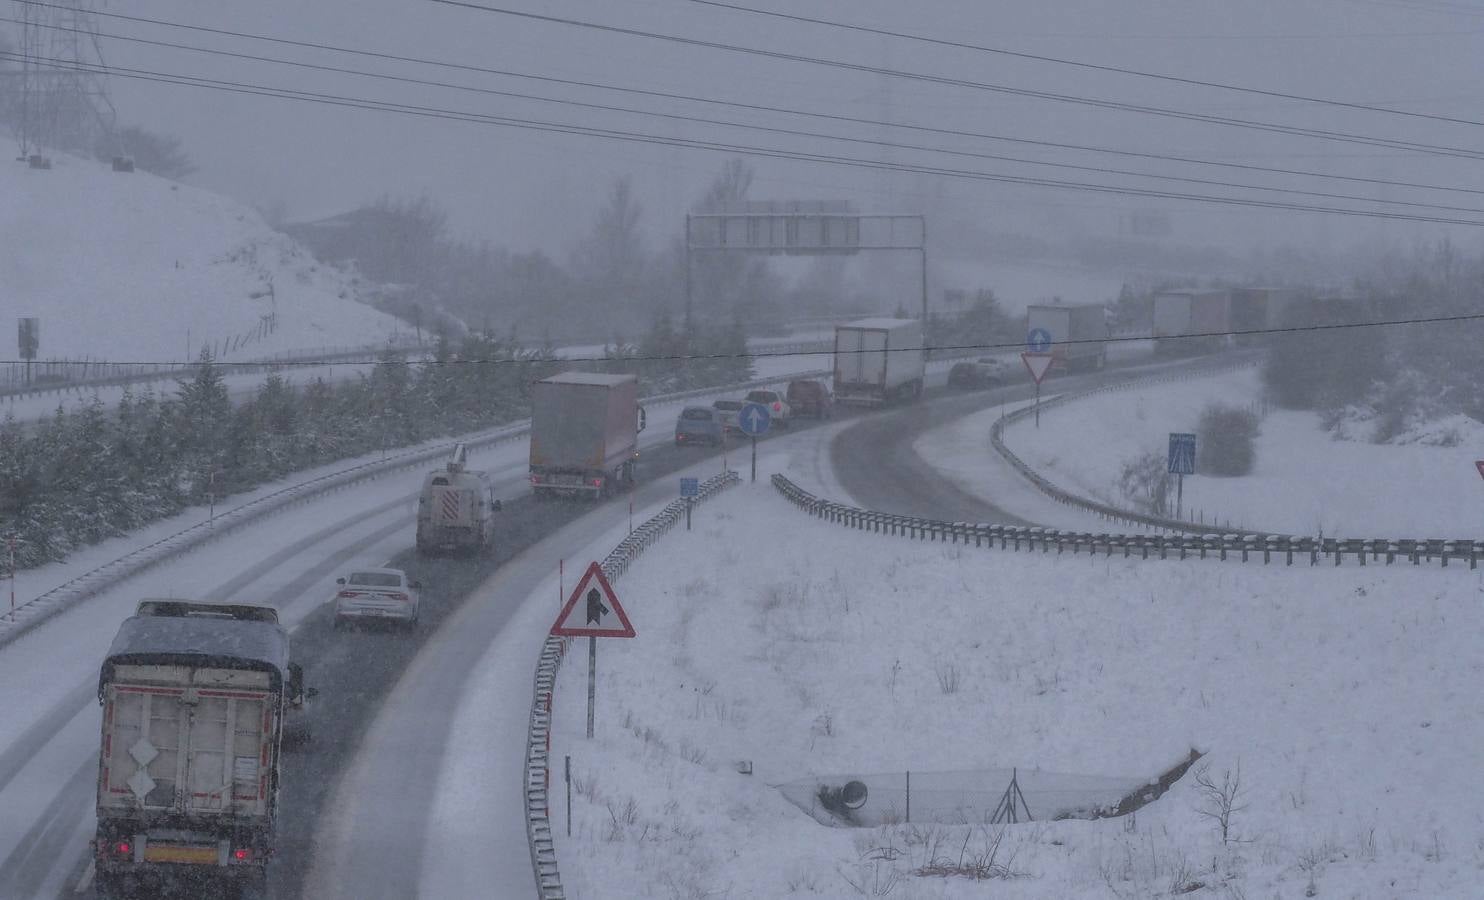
(538, 736)
(31, 613)
(82, 376)
(1105, 510)
(1243, 546)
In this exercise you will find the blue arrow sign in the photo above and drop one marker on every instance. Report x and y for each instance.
(1038, 340)
(753, 419)
(690, 487)
(1182, 454)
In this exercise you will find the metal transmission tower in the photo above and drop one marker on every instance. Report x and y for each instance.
(63, 97)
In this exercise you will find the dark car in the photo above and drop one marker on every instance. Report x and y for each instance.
(810, 398)
(697, 425)
(981, 373)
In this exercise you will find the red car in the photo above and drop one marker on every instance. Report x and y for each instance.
(810, 398)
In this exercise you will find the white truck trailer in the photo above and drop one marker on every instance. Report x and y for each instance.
(456, 507)
(1079, 333)
(584, 434)
(196, 698)
(879, 360)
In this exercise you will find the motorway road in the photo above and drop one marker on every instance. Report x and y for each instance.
(865, 453)
(48, 765)
(384, 709)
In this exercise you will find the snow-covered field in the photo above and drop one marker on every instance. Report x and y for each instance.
(1345, 696)
(1305, 482)
(131, 266)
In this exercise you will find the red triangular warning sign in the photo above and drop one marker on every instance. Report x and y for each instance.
(1038, 364)
(593, 609)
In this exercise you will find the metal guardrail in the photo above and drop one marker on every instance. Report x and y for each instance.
(1106, 510)
(33, 612)
(143, 373)
(1243, 546)
(553, 651)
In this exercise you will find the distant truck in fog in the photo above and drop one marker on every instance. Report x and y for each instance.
(1203, 321)
(584, 434)
(879, 360)
(456, 507)
(196, 700)
(1079, 333)
(1190, 321)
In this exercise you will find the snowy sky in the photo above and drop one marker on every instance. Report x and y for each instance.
(527, 190)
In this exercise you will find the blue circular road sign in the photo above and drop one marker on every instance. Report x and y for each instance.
(1038, 340)
(753, 419)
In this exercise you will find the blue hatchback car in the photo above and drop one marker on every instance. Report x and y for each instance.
(697, 425)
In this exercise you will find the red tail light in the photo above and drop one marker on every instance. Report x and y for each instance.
(536, 479)
(242, 854)
(123, 848)
(597, 482)
(402, 597)
(777, 407)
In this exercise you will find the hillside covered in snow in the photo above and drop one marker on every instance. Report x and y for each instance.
(131, 266)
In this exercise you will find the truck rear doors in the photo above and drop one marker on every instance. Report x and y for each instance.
(860, 357)
(203, 745)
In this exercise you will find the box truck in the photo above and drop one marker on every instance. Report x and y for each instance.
(584, 434)
(1079, 333)
(879, 360)
(196, 699)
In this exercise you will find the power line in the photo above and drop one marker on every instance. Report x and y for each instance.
(767, 354)
(770, 152)
(739, 105)
(1103, 170)
(1321, 134)
(1120, 70)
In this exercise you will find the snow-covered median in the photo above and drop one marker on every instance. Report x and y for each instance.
(1345, 697)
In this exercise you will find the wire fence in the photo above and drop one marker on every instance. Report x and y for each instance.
(1243, 547)
(553, 651)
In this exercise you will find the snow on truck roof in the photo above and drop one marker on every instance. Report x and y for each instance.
(879, 322)
(193, 634)
(595, 378)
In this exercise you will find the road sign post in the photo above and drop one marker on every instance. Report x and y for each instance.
(1181, 463)
(753, 419)
(690, 488)
(593, 611)
(1038, 364)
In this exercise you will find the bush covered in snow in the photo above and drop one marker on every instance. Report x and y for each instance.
(1226, 440)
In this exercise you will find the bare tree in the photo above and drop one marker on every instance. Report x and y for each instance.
(1222, 800)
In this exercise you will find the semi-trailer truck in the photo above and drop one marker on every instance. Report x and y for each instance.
(196, 698)
(879, 360)
(584, 434)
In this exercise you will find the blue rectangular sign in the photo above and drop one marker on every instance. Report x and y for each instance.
(1182, 454)
(690, 487)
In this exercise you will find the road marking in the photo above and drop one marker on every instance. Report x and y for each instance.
(86, 881)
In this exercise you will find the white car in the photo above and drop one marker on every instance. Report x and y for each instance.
(777, 406)
(371, 595)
